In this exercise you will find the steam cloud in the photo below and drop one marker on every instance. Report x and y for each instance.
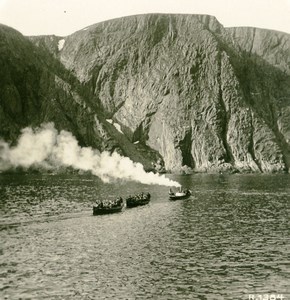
(44, 147)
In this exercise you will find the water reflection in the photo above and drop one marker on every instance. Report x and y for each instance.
(231, 238)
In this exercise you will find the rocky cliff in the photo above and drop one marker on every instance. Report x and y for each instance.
(180, 88)
(36, 88)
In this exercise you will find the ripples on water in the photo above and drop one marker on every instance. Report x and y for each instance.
(229, 240)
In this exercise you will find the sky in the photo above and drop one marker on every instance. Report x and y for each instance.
(63, 17)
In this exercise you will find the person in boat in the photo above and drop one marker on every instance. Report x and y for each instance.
(119, 201)
(171, 192)
(99, 204)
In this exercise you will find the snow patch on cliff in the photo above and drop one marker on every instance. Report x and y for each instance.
(61, 44)
(116, 125)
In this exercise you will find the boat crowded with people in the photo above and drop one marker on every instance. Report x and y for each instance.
(108, 206)
(180, 194)
(138, 200)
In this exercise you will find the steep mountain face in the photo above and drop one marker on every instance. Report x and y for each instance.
(202, 96)
(182, 87)
(36, 88)
(272, 46)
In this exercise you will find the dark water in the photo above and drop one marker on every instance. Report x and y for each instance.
(229, 240)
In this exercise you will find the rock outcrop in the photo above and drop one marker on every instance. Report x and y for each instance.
(182, 88)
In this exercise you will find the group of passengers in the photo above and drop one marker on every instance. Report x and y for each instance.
(138, 197)
(110, 203)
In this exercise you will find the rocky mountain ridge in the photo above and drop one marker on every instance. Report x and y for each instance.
(183, 90)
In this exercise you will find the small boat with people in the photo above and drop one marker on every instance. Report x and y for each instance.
(138, 200)
(108, 206)
(180, 194)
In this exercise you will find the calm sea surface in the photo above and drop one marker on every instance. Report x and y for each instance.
(231, 239)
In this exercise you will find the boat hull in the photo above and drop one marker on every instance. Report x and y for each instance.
(179, 197)
(105, 211)
(137, 203)
(138, 200)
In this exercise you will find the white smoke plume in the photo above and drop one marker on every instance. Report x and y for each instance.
(46, 148)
